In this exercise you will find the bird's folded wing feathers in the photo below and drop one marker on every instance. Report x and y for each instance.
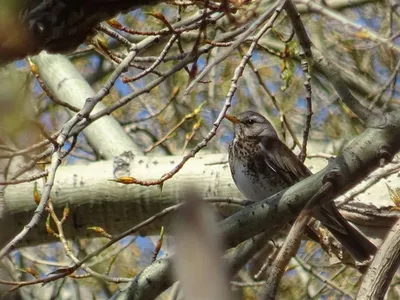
(329, 215)
(282, 160)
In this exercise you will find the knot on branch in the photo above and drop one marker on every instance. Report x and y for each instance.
(385, 155)
(122, 164)
(335, 177)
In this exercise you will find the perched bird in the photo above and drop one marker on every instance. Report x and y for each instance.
(57, 26)
(262, 165)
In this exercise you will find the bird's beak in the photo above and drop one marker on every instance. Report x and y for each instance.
(233, 119)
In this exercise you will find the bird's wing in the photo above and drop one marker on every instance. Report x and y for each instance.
(282, 160)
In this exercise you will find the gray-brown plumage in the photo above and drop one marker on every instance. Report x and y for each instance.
(262, 165)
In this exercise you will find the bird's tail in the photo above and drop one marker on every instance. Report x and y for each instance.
(359, 247)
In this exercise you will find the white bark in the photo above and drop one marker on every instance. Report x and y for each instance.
(95, 201)
(65, 82)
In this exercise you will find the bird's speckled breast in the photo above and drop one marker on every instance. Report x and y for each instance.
(253, 177)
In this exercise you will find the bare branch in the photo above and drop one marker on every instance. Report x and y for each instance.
(382, 269)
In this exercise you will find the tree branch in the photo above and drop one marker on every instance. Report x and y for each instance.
(382, 269)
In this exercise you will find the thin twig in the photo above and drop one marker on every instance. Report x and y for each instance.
(305, 54)
(391, 80)
(321, 278)
(22, 180)
(307, 126)
(248, 284)
(49, 94)
(163, 53)
(339, 272)
(114, 35)
(368, 183)
(68, 250)
(171, 131)
(152, 115)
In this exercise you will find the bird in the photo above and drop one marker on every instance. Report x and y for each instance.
(262, 165)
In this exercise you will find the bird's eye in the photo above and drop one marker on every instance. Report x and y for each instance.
(250, 121)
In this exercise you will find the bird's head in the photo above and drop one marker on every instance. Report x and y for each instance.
(251, 124)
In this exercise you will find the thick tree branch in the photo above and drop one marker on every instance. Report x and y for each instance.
(65, 82)
(382, 269)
